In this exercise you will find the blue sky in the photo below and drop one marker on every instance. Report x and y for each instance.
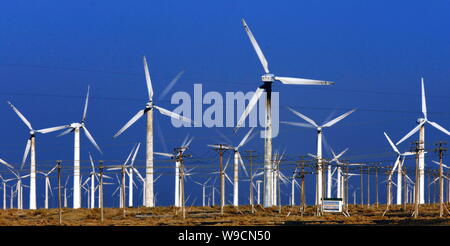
(375, 51)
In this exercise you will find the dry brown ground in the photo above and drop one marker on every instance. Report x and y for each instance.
(160, 216)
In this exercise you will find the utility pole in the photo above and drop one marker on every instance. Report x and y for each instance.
(441, 151)
(101, 190)
(221, 148)
(58, 164)
(250, 157)
(376, 185)
(180, 160)
(418, 150)
(122, 187)
(405, 188)
(302, 177)
(368, 186)
(362, 186)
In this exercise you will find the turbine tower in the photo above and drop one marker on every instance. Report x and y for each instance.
(149, 197)
(31, 145)
(184, 146)
(421, 126)
(267, 80)
(313, 124)
(398, 165)
(75, 128)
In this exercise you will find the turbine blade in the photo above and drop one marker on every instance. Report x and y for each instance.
(336, 120)
(242, 164)
(130, 122)
(243, 141)
(163, 154)
(85, 105)
(424, 102)
(411, 132)
(258, 50)
(89, 136)
(304, 117)
(135, 153)
(25, 154)
(129, 156)
(250, 106)
(299, 81)
(172, 114)
(170, 85)
(395, 167)
(138, 174)
(21, 116)
(148, 80)
(65, 132)
(92, 161)
(52, 129)
(391, 143)
(6, 164)
(297, 124)
(439, 127)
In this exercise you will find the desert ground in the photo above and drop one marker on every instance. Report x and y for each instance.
(210, 216)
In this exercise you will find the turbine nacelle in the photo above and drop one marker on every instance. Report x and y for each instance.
(268, 77)
(149, 105)
(76, 125)
(420, 120)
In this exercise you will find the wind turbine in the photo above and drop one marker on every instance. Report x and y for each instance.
(184, 147)
(47, 185)
(31, 145)
(267, 80)
(313, 124)
(421, 126)
(339, 180)
(75, 128)
(203, 185)
(238, 160)
(398, 165)
(149, 200)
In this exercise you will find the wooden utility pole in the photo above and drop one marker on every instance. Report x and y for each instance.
(376, 186)
(362, 186)
(122, 187)
(441, 151)
(405, 188)
(346, 188)
(58, 164)
(302, 177)
(179, 158)
(101, 190)
(368, 186)
(250, 157)
(417, 149)
(221, 148)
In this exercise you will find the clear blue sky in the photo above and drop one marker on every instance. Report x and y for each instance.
(375, 51)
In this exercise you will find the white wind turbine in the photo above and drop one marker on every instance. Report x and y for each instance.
(203, 185)
(31, 145)
(75, 128)
(398, 165)
(238, 160)
(149, 199)
(313, 124)
(184, 146)
(4, 182)
(19, 187)
(421, 126)
(128, 168)
(48, 186)
(339, 180)
(267, 80)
